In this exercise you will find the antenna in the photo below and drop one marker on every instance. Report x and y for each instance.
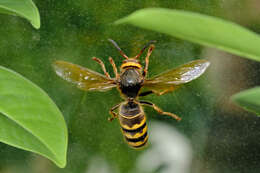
(118, 48)
(142, 50)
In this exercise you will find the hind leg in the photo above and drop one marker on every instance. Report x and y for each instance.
(112, 113)
(159, 110)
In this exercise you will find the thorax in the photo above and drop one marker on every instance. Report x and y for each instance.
(131, 81)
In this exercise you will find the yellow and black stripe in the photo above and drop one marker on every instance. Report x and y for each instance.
(130, 63)
(134, 129)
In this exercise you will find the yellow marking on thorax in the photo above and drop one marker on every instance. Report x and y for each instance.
(134, 144)
(131, 64)
(137, 135)
(135, 126)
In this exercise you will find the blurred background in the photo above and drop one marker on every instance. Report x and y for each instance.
(214, 135)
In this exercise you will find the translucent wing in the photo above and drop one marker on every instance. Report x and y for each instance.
(170, 80)
(84, 78)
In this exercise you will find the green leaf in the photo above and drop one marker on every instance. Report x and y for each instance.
(198, 28)
(29, 119)
(249, 99)
(22, 8)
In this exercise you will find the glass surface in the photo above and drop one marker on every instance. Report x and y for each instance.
(214, 135)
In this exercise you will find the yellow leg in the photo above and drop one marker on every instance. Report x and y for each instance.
(150, 50)
(112, 113)
(160, 111)
(103, 66)
(170, 89)
(114, 67)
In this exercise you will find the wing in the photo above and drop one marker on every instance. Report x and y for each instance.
(84, 78)
(172, 79)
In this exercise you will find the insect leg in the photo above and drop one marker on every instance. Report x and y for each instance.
(114, 66)
(170, 89)
(113, 114)
(159, 110)
(159, 93)
(103, 66)
(150, 50)
(145, 93)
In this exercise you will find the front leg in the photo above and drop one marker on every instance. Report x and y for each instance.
(102, 66)
(150, 50)
(114, 67)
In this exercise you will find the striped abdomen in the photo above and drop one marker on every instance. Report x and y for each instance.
(133, 124)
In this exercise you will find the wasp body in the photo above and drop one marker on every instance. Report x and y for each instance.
(130, 81)
(133, 124)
